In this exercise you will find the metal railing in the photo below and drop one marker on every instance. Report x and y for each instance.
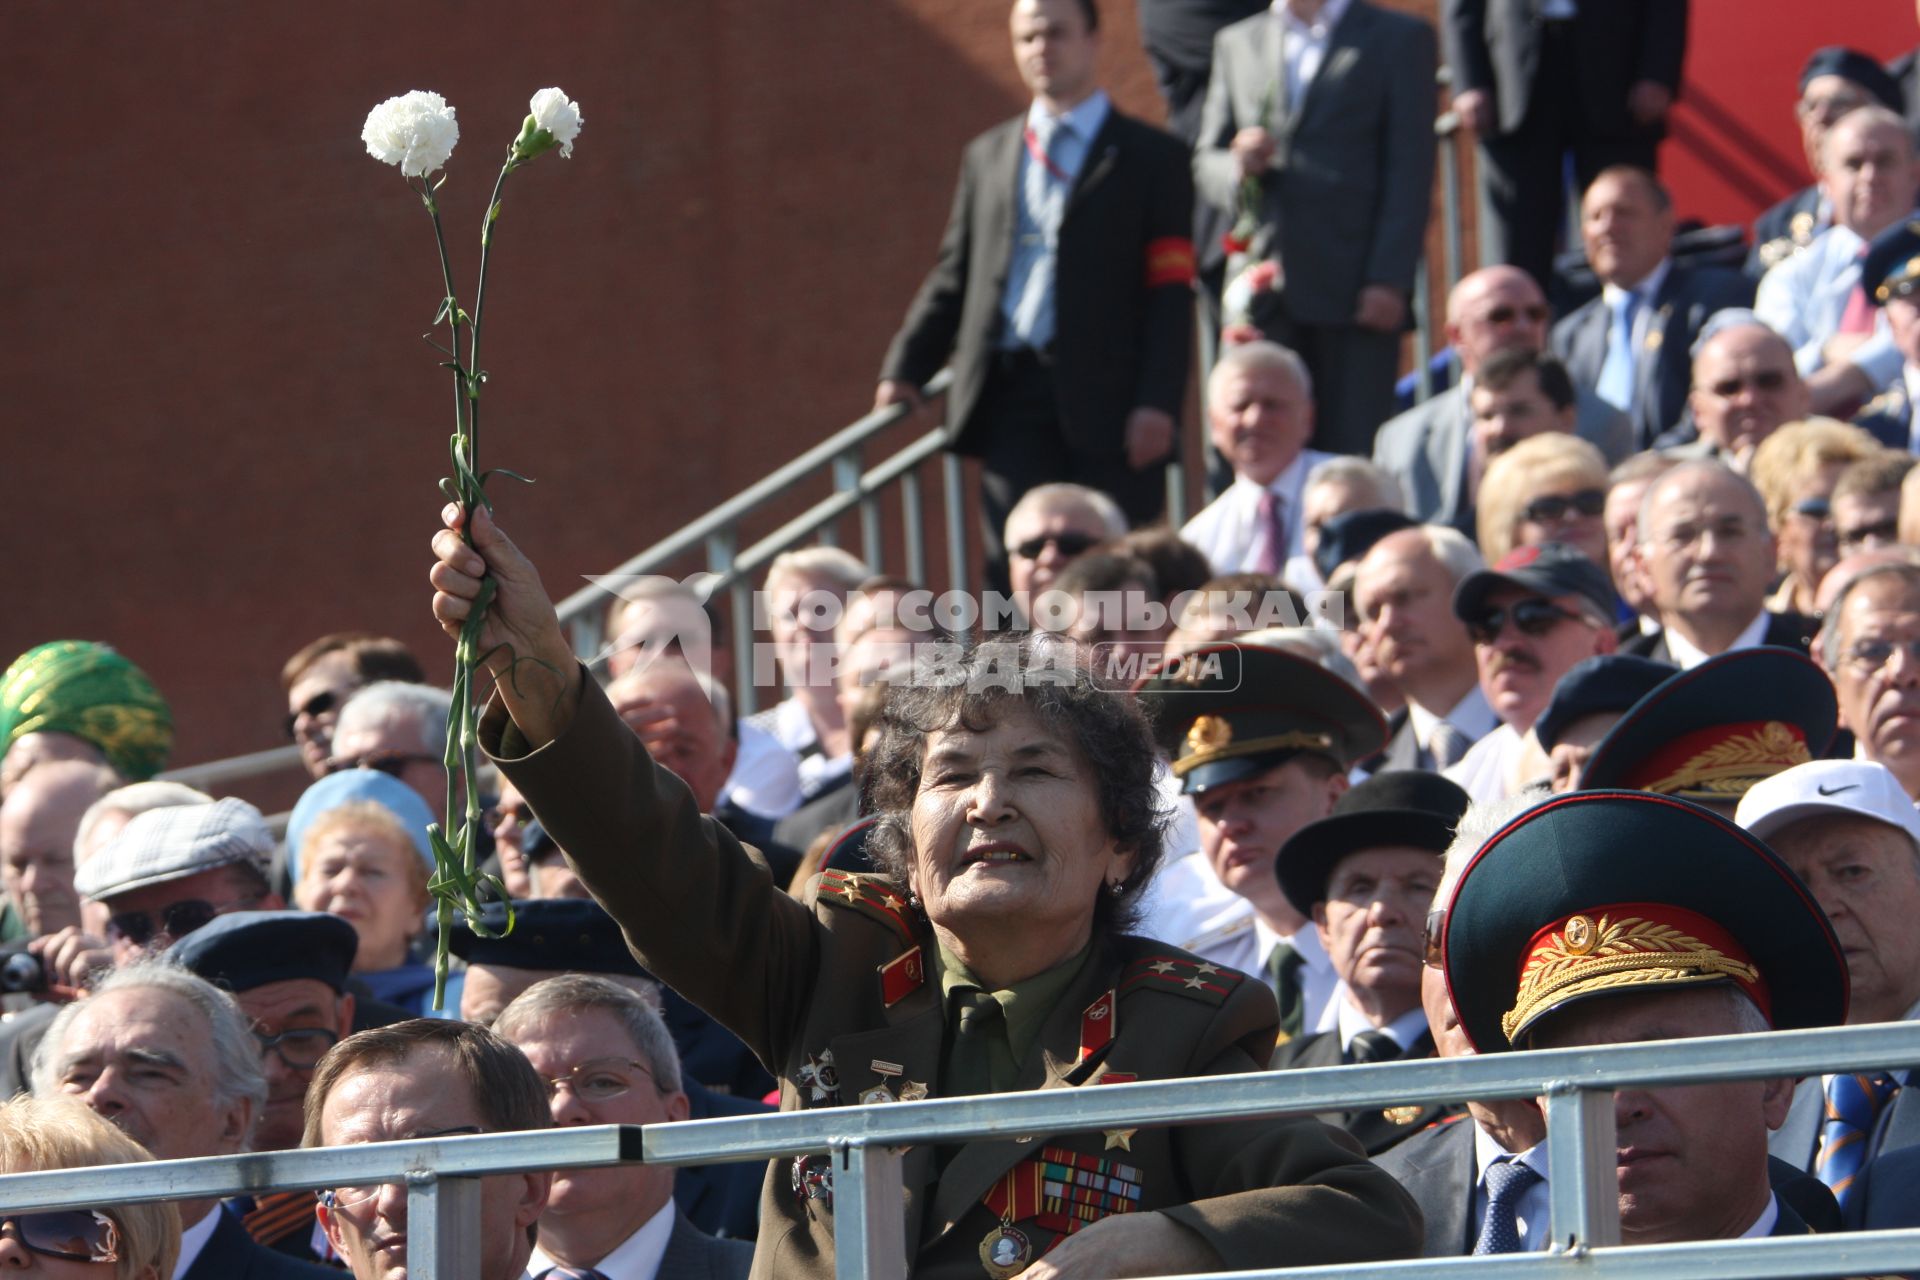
(865, 1144)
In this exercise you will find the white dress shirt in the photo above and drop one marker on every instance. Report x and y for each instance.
(1911, 376)
(1228, 529)
(1303, 47)
(1687, 657)
(1403, 1030)
(1532, 1213)
(1472, 716)
(1765, 1223)
(766, 776)
(1485, 773)
(1804, 297)
(635, 1258)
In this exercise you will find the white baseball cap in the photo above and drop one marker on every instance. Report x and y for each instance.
(1851, 788)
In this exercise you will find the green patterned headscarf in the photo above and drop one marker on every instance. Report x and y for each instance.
(90, 691)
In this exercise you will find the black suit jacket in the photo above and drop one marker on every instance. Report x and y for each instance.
(1437, 1169)
(231, 1254)
(1120, 341)
(1494, 45)
(1784, 630)
(1664, 370)
(1376, 1130)
(1886, 1193)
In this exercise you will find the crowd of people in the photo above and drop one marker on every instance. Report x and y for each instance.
(1576, 703)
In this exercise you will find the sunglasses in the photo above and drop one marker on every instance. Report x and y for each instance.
(177, 919)
(313, 708)
(1862, 535)
(1533, 616)
(1507, 315)
(1067, 544)
(1587, 502)
(391, 763)
(77, 1235)
(1814, 508)
(1766, 382)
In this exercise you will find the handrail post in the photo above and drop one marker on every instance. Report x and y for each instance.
(443, 1227)
(723, 546)
(1582, 1187)
(846, 479)
(956, 504)
(1176, 488)
(1422, 334)
(869, 1217)
(911, 514)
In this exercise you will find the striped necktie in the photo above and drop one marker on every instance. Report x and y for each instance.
(1853, 1103)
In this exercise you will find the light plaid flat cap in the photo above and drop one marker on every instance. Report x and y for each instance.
(180, 840)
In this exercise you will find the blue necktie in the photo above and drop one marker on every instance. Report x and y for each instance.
(1507, 1180)
(1615, 384)
(1853, 1103)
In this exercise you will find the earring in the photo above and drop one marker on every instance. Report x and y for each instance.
(913, 900)
(1115, 888)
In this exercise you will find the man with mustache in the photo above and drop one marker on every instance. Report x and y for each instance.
(1532, 617)
(1709, 555)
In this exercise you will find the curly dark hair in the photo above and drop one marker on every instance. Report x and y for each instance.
(970, 686)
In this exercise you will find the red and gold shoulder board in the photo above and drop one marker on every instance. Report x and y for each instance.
(1181, 975)
(870, 896)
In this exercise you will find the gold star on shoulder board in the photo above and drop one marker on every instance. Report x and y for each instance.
(1193, 983)
(847, 890)
(1121, 1138)
(1163, 967)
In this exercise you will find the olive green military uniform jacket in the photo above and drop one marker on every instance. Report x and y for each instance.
(841, 997)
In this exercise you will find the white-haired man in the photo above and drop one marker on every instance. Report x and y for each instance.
(169, 1059)
(804, 595)
(1260, 417)
(399, 729)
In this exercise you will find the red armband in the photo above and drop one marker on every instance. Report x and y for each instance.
(1169, 261)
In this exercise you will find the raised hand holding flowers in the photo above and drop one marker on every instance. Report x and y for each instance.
(417, 132)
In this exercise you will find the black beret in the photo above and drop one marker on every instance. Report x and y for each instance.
(1609, 682)
(242, 950)
(1351, 534)
(1851, 64)
(559, 934)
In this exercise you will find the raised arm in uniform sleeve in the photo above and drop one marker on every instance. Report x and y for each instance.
(700, 913)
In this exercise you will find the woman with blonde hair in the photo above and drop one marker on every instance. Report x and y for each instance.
(142, 1241)
(1547, 488)
(1795, 469)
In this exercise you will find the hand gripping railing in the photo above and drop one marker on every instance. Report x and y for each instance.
(865, 1142)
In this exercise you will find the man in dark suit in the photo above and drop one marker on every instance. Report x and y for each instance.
(1324, 108)
(1536, 79)
(1574, 925)
(171, 1060)
(1429, 448)
(1633, 344)
(1367, 875)
(1062, 295)
(1709, 556)
(1403, 596)
(607, 1058)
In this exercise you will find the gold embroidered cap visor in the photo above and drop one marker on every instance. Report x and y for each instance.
(1229, 711)
(1615, 893)
(1891, 268)
(1710, 733)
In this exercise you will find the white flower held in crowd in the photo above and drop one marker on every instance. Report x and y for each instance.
(553, 120)
(415, 131)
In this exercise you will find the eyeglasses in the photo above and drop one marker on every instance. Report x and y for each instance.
(313, 708)
(391, 763)
(1587, 502)
(77, 1235)
(1872, 655)
(1766, 382)
(498, 813)
(599, 1080)
(177, 919)
(1814, 508)
(1507, 315)
(1533, 616)
(348, 1197)
(1433, 943)
(1067, 544)
(300, 1047)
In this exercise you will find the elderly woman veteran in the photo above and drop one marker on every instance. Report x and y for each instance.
(1018, 831)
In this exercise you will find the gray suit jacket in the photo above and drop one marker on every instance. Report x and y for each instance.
(1436, 1167)
(1425, 448)
(692, 1254)
(1346, 197)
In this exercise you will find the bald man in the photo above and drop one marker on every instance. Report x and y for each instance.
(37, 826)
(1429, 448)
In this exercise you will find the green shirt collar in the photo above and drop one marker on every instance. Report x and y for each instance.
(1025, 1005)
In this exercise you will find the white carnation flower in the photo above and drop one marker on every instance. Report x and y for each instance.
(557, 117)
(415, 131)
